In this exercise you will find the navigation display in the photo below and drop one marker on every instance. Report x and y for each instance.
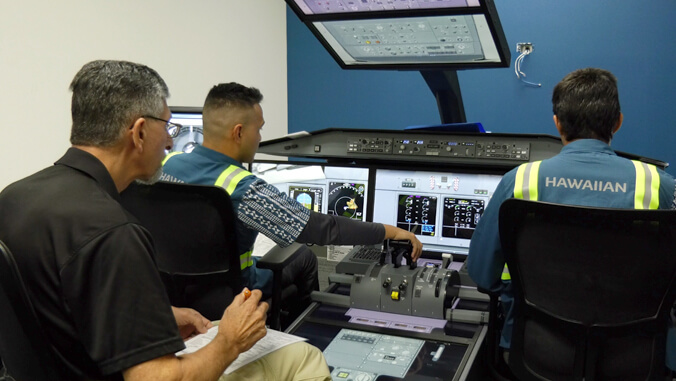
(346, 199)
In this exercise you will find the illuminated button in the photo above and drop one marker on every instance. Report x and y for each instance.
(395, 295)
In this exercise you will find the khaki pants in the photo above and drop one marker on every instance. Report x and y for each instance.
(295, 362)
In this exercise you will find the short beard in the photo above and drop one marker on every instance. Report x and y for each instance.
(152, 179)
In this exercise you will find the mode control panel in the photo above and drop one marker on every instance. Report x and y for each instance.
(503, 150)
(435, 147)
(440, 147)
(369, 145)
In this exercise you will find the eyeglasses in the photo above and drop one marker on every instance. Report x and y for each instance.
(172, 128)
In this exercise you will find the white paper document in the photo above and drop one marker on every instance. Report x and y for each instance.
(262, 245)
(272, 341)
(335, 253)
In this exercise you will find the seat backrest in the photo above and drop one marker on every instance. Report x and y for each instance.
(593, 289)
(194, 231)
(24, 349)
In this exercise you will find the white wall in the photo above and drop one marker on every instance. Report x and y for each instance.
(192, 44)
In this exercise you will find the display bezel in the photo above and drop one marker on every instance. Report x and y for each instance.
(485, 9)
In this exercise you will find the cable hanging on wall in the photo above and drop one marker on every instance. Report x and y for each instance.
(525, 48)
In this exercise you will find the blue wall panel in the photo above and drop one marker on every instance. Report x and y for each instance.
(634, 40)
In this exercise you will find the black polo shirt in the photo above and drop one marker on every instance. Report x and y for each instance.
(88, 266)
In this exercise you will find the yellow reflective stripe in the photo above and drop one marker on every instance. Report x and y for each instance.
(654, 187)
(235, 180)
(647, 189)
(224, 175)
(639, 190)
(229, 178)
(245, 260)
(170, 156)
(526, 181)
(533, 180)
(505, 273)
(518, 182)
(525, 188)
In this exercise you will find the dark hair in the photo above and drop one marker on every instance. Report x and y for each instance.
(232, 94)
(108, 96)
(587, 104)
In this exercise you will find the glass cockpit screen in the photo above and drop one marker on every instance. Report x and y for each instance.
(346, 199)
(461, 215)
(411, 41)
(309, 196)
(349, 6)
(417, 214)
(442, 209)
(336, 190)
(411, 34)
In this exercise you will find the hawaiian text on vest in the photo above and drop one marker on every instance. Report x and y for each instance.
(592, 185)
(170, 178)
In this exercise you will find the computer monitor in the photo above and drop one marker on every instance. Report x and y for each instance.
(407, 34)
(441, 207)
(348, 191)
(191, 135)
(323, 188)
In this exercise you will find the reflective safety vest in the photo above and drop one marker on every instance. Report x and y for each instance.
(169, 156)
(646, 191)
(228, 180)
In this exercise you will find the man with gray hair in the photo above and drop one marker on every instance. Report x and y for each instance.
(88, 264)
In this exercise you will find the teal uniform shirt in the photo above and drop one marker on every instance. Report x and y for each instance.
(586, 172)
(259, 206)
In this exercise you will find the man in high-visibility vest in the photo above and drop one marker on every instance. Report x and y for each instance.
(233, 118)
(586, 172)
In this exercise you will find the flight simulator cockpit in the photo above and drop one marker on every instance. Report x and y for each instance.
(382, 316)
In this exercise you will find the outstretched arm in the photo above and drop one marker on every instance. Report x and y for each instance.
(325, 229)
